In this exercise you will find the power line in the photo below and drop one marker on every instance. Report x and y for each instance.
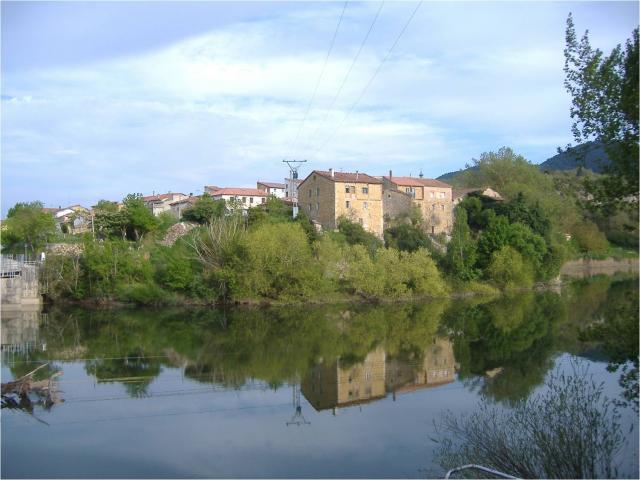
(346, 77)
(315, 91)
(375, 74)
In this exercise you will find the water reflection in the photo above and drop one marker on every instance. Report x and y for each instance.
(240, 382)
(341, 355)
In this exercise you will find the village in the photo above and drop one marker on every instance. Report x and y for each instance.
(325, 196)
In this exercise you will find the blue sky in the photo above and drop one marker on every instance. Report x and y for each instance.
(103, 99)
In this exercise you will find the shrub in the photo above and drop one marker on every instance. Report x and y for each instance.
(509, 270)
(589, 238)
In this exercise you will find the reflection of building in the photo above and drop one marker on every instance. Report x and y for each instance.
(436, 368)
(19, 331)
(336, 385)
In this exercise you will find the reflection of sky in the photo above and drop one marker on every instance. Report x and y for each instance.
(201, 430)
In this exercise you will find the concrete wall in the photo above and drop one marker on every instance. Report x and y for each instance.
(22, 289)
(609, 266)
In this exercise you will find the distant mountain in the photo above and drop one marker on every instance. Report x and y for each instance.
(590, 155)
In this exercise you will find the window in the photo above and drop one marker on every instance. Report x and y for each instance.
(431, 194)
(317, 191)
(360, 221)
(347, 204)
(365, 205)
(264, 200)
(309, 192)
(309, 207)
(250, 199)
(347, 189)
(317, 207)
(443, 208)
(442, 195)
(365, 190)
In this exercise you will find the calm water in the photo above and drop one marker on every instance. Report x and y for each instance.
(341, 391)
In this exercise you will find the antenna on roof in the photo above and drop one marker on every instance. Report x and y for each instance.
(421, 174)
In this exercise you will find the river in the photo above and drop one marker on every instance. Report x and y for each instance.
(318, 391)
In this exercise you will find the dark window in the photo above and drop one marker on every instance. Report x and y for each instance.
(346, 189)
(347, 204)
(365, 190)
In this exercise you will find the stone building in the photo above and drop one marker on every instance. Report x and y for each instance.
(272, 188)
(432, 196)
(337, 385)
(159, 203)
(326, 196)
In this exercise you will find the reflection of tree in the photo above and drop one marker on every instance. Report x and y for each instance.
(514, 333)
(134, 370)
(617, 331)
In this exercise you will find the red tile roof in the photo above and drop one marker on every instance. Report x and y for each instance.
(247, 192)
(346, 177)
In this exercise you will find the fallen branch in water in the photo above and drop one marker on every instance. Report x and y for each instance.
(15, 394)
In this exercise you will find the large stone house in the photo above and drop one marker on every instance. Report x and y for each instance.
(326, 196)
(433, 197)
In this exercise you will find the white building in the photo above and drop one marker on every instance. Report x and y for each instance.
(244, 197)
(272, 188)
(162, 202)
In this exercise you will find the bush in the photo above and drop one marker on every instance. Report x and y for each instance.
(355, 234)
(143, 294)
(280, 263)
(405, 237)
(588, 238)
(509, 270)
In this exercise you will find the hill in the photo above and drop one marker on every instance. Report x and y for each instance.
(590, 155)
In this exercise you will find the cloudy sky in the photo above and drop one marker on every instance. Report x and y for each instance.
(103, 99)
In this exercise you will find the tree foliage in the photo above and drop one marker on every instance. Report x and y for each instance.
(27, 227)
(204, 210)
(461, 254)
(604, 91)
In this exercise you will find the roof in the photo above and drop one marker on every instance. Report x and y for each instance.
(486, 191)
(417, 182)
(161, 196)
(50, 210)
(190, 200)
(346, 177)
(272, 184)
(250, 192)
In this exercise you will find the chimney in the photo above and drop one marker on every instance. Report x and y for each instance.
(331, 172)
(356, 175)
(390, 175)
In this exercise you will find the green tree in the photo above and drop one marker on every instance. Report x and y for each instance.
(355, 234)
(204, 210)
(140, 220)
(406, 237)
(27, 227)
(461, 250)
(604, 91)
(109, 220)
(509, 270)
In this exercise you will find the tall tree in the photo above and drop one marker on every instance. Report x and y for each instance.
(604, 108)
(27, 227)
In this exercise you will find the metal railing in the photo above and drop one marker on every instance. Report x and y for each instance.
(490, 471)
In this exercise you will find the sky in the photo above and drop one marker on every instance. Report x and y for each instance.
(102, 99)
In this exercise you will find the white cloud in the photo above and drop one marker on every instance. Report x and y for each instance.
(224, 107)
